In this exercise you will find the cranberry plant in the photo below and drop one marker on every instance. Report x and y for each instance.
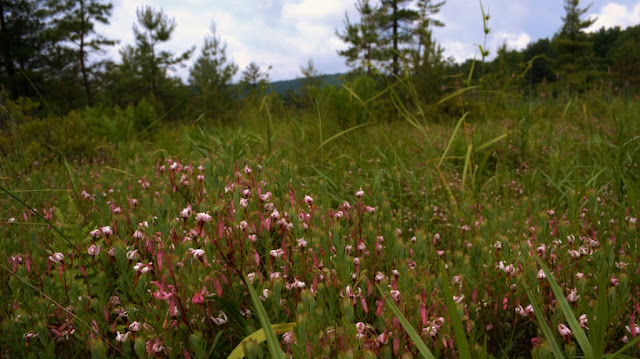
(357, 250)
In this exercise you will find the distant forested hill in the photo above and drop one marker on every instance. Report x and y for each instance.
(296, 85)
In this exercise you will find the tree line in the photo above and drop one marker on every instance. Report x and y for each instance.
(52, 52)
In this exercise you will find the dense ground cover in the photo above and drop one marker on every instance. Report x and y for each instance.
(151, 245)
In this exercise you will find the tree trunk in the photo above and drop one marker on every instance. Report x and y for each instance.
(396, 70)
(83, 55)
(6, 45)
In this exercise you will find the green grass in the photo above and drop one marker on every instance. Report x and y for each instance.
(542, 178)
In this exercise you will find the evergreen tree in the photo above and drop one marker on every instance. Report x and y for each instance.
(541, 68)
(425, 49)
(74, 24)
(254, 81)
(252, 76)
(150, 63)
(363, 38)
(311, 83)
(574, 50)
(211, 75)
(23, 41)
(426, 56)
(394, 33)
(397, 25)
(625, 57)
(603, 42)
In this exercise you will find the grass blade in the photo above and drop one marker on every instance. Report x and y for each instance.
(598, 331)
(260, 336)
(462, 344)
(453, 135)
(454, 94)
(413, 334)
(467, 165)
(542, 322)
(341, 133)
(581, 337)
(624, 349)
(491, 142)
(270, 335)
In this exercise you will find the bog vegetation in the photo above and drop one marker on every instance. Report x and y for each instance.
(419, 208)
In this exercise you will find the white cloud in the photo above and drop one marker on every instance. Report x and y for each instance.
(514, 41)
(313, 9)
(614, 14)
(287, 33)
(460, 51)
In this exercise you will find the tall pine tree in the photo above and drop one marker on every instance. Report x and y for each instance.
(74, 23)
(150, 63)
(363, 38)
(211, 75)
(23, 39)
(397, 24)
(573, 48)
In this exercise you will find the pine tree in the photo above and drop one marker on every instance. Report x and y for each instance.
(150, 63)
(211, 75)
(74, 24)
(426, 56)
(364, 38)
(252, 76)
(23, 40)
(572, 46)
(397, 25)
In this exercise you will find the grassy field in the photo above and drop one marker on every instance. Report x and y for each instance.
(511, 234)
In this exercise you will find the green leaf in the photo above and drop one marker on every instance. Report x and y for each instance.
(272, 341)
(624, 349)
(341, 133)
(413, 334)
(491, 142)
(453, 135)
(462, 344)
(260, 336)
(198, 346)
(581, 337)
(454, 94)
(542, 323)
(599, 325)
(140, 348)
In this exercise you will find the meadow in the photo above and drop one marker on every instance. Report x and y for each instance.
(506, 231)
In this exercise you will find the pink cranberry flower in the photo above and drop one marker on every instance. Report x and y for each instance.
(199, 296)
(94, 250)
(276, 253)
(220, 319)
(563, 330)
(196, 253)
(395, 294)
(584, 321)
(288, 338)
(244, 202)
(106, 230)
(121, 337)
(573, 295)
(56, 257)
(135, 326)
(203, 217)
(308, 200)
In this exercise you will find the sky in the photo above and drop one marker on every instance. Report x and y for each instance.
(285, 34)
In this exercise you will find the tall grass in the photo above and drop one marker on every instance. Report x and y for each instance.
(436, 198)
